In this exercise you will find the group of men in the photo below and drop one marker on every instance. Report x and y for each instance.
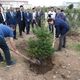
(9, 21)
(8, 24)
(24, 18)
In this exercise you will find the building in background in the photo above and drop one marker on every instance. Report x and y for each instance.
(15, 3)
(75, 4)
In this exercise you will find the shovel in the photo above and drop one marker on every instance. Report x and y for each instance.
(54, 37)
(33, 61)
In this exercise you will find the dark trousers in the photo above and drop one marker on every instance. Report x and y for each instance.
(4, 23)
(14, 32)
(6, 51)
(51, 29)
(39, 23)
(62, 41)
(21, 27)
(33, 23)
(27, 27)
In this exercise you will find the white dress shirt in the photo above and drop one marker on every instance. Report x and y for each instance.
(12, 14)
(34, 15)
(53, 14)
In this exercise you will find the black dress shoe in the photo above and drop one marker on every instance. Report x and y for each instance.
(27, 33)
(15, 38)
(63, 46)
(1, 61)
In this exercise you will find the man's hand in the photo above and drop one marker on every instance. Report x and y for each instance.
(17, 52)
(12, 43)
(14, 46)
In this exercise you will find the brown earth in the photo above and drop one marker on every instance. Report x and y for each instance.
(65, 64)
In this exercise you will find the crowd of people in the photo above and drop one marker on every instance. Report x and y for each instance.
(25, 19)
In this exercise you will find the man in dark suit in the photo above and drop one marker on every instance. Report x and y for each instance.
(28, 19)
(11, 20)
(20, 20)
(1, 17)
(61, 30)
(60, 14)
(38, 17)
(33, 17)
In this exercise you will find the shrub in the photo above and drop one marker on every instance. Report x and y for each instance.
(73, 16)
(41, 46)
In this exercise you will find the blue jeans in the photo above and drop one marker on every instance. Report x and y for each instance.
(5, 49)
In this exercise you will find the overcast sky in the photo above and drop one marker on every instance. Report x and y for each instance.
(49, 2)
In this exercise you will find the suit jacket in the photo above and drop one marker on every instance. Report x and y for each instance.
(61, 16)
(61, 26)
(11, 20)
(19, 17)
(1, 18)
(28, 17)
(38, 16)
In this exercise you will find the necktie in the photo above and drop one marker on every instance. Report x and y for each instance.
(11, 14)
(28, 14)
(3, 16)
(21, 16)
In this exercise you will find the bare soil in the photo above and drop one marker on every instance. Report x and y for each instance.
(64, 65)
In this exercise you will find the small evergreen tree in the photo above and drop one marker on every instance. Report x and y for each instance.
(41, 46)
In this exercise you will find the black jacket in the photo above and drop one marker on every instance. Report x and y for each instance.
(1, 18)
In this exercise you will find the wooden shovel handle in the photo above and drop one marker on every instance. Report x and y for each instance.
(25, 57)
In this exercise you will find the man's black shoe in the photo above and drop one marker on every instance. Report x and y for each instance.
(1, 61)
(63, 46)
